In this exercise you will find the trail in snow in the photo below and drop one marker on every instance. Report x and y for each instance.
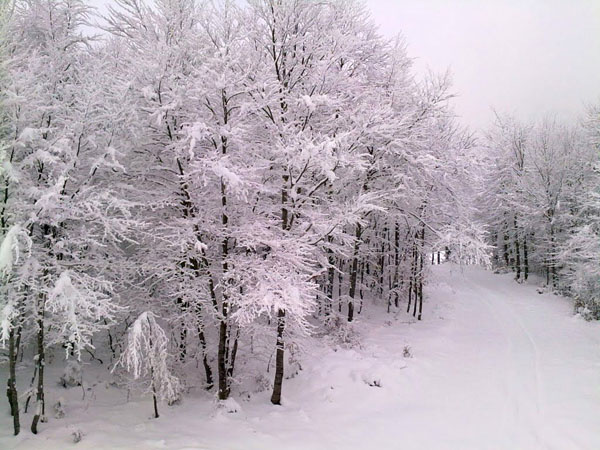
(495, 366)
(553, 362)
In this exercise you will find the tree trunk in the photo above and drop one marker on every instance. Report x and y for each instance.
(13, 398)
(222, 359)
(354, 272)
(33, 378)
(421, 268)
(330, 280)
(340, 283)
(396, 262)
(18, 352)
(154, 399)
(155, 402)
(234, 348)
(40, 410)
(279, 359)
(517, 252)
(360, 286)
(361, 283)
(183, 343)
(525, 259)
(222, 356)
(280, 345)
(495, 257)
(111, 344)
(415, 279)
(411, 279)
(552, 258)
(207, 369)
(382, 263)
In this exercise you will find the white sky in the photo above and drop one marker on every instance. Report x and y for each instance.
(527, 57)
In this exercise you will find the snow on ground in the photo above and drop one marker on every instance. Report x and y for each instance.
(494, 365)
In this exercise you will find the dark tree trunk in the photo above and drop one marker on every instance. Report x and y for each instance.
(279, 359)
(552, 258)
(552, 253)
(33, 378)
(420, 299)
(202, 263)
(152, 378)
(40, 410)
(360, 286)
(223, 351)
(421, 268)
(222, 358)
(280, 344)
(494, 239)
(154, 399)
(155, 402)
(354, 272)
(415, 296)
(382, 263)
(411, 279)
(330, 280)
(517, 252)
(111, 344)
(13, 398)
(362, 283)
(207, 369)
(416, 279)
(183, 343)
(18, 352)
(396, 261)
(525, 259)
(340, 283)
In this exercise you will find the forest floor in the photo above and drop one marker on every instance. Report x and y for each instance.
(493, 365)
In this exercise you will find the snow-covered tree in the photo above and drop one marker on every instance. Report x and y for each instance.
(58, 164)
(248, 173)
(13, 246)
(579, 254)
(146, 356)
(542, 183)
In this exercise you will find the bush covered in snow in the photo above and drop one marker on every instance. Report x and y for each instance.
(72, 375)
(341, 332)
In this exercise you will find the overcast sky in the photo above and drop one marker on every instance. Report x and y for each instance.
(527, 57)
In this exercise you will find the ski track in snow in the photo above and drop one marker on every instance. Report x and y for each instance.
(495, 366)
(523, 354)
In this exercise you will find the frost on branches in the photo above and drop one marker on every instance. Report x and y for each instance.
(81, 306)
(146, 357)
(255, 175)
(543, 187)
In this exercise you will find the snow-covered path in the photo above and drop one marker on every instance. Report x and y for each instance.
(495, 365)
(510, 369)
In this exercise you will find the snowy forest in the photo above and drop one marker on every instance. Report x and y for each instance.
(196, 194)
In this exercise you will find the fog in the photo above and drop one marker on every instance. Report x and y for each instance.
(527, 57)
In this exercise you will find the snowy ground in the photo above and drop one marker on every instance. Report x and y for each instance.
(494, 365)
